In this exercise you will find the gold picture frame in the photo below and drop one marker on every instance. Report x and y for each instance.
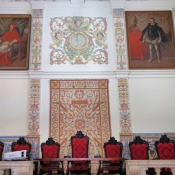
(146, 49)
(14, 41)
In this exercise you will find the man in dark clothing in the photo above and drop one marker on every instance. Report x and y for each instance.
(153, 35)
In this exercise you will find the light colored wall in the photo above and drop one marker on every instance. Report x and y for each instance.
(152, 97)
(14, 94)
(152, 104)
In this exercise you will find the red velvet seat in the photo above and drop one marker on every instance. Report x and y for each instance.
(139, 150)
(112, 149)
(51, 149)
(22, 144)
(1, 150)
(165, 151)
(80, 147)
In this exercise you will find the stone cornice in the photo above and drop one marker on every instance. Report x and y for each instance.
(90, 74)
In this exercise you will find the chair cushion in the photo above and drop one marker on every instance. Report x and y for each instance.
(49, 151)
(46, 169)
(165, 170)
(1, 150)
(60, 169)
(100, 170)
(113, 168)
(113, 151)
(79, 168)
(80, 149)
(166, 150)
(139, 151)
(21, 147)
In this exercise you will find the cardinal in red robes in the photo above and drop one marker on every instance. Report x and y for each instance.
(11, 36)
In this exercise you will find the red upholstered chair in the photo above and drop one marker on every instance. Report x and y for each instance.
(139, 150)
(80, 146)
(21, 144)
(165, 151)
(112, 149)
(51, 149)
(1, 150)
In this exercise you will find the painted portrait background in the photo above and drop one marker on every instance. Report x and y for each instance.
(138, 52)
(14, 41)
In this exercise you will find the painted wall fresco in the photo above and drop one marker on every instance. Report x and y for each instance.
(34, 102)
(36, 39)
(78, 40)
(120, 38)
(125, 121)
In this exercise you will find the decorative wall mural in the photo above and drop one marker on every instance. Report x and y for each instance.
(34, 102)
(80, 105)
(125, 121)
(36, 39)
(78, 40)
(120, 38)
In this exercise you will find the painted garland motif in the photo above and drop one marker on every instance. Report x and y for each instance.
(34, 102)
(125, 120)
(120, 39)
(36, 39)
(78, 40)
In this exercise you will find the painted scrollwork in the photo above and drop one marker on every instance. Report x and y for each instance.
(78, 40)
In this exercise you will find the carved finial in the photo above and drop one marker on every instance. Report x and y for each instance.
(79, 134)
(21, 141)
(50, 141)
(112, 140)
(164, 139)
(138, 140)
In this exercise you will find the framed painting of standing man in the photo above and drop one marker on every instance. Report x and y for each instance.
(14, 41)
(150, 39)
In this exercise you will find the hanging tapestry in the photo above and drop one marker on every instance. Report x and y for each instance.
(80, 105)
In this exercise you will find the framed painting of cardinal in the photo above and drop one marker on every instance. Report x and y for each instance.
(150, 39)
(14, 41)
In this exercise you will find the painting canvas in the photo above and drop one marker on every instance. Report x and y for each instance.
(14, 41)
(150, 39)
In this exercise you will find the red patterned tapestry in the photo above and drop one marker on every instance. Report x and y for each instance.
(80, 105)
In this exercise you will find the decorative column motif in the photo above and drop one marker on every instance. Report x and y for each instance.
(36, 39)
(118, 15)
(33, 123)
(174, 14)
(34, 102)
(125, 120)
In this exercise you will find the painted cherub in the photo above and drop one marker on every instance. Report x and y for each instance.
(100, 39)
(57, 38)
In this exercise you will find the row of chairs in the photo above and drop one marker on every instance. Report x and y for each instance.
(80, 149)
(165, 149)
(139, 149)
